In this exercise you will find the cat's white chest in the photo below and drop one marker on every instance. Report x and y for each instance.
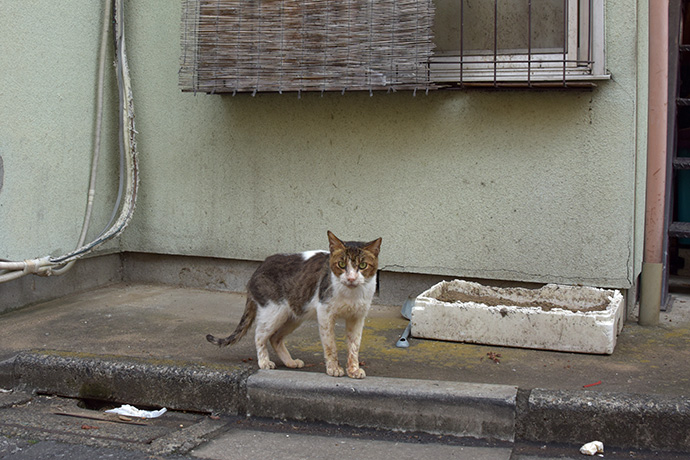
(348, 301)
(344, 301)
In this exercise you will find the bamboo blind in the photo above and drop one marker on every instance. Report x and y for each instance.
(305, 45)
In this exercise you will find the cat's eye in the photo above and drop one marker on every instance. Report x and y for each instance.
(363, 265)
(342, 264)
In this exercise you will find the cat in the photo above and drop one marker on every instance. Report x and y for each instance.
(287, 289)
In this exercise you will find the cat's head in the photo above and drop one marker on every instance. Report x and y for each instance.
(352, 262)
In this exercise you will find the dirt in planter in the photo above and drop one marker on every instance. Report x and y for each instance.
(451, 296)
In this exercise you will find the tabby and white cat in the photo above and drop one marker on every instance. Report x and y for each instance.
(287, 289)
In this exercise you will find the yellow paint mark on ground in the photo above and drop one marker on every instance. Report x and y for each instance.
(680, 333)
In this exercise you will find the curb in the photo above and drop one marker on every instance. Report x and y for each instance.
(176, 385)
(460, 409)
(619, 419)
(484, 411)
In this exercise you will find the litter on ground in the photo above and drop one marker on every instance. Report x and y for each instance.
(132, 411)
(592, 448)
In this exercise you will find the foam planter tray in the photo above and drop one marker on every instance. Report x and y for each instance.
(554, 317)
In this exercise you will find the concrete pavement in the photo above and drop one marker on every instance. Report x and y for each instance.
(145, 345)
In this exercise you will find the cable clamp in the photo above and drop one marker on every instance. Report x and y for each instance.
(36, 266)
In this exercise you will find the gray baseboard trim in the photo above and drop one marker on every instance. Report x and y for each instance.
(90, 273)
(189, 272)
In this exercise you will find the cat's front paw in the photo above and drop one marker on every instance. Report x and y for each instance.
(334, 370)
(267, 364)
(356, 373)
(295, 364)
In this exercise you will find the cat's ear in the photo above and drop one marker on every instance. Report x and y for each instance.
(374, 247)
(334, 243)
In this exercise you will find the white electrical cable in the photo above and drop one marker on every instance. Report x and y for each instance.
(127, 143)
(56, 265)
(107, 12)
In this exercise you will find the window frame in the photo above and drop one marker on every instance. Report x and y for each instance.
(582, 61)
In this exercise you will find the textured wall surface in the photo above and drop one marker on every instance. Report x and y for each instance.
(526, 186)
(49, 61)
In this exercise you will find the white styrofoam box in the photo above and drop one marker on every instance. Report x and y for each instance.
(554, 317)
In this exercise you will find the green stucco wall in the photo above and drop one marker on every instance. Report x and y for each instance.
(527, 186)
(49, 62)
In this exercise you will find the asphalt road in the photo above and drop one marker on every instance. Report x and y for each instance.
(42, 427)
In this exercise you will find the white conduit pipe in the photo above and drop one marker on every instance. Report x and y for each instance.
(107, 12)
(56, 265)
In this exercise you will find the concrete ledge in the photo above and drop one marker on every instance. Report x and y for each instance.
(460, 409)
(491, 412)
(617, 419)
(7, 378)
(175, 385)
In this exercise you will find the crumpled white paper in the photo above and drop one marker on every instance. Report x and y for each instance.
(132, 411)
(592, 448)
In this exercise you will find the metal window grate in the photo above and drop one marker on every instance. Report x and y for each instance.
(507, 43)
(231, 46)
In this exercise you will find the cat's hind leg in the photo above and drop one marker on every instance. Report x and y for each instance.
(278, 342)
(270, 317)
(261, 342)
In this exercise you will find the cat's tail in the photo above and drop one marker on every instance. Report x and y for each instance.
(241, 329)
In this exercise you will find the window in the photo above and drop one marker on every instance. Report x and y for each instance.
(231, 46)
(518, 42)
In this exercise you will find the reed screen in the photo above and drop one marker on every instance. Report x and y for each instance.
(231, 46)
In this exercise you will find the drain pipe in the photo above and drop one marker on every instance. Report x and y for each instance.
(651, 282)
